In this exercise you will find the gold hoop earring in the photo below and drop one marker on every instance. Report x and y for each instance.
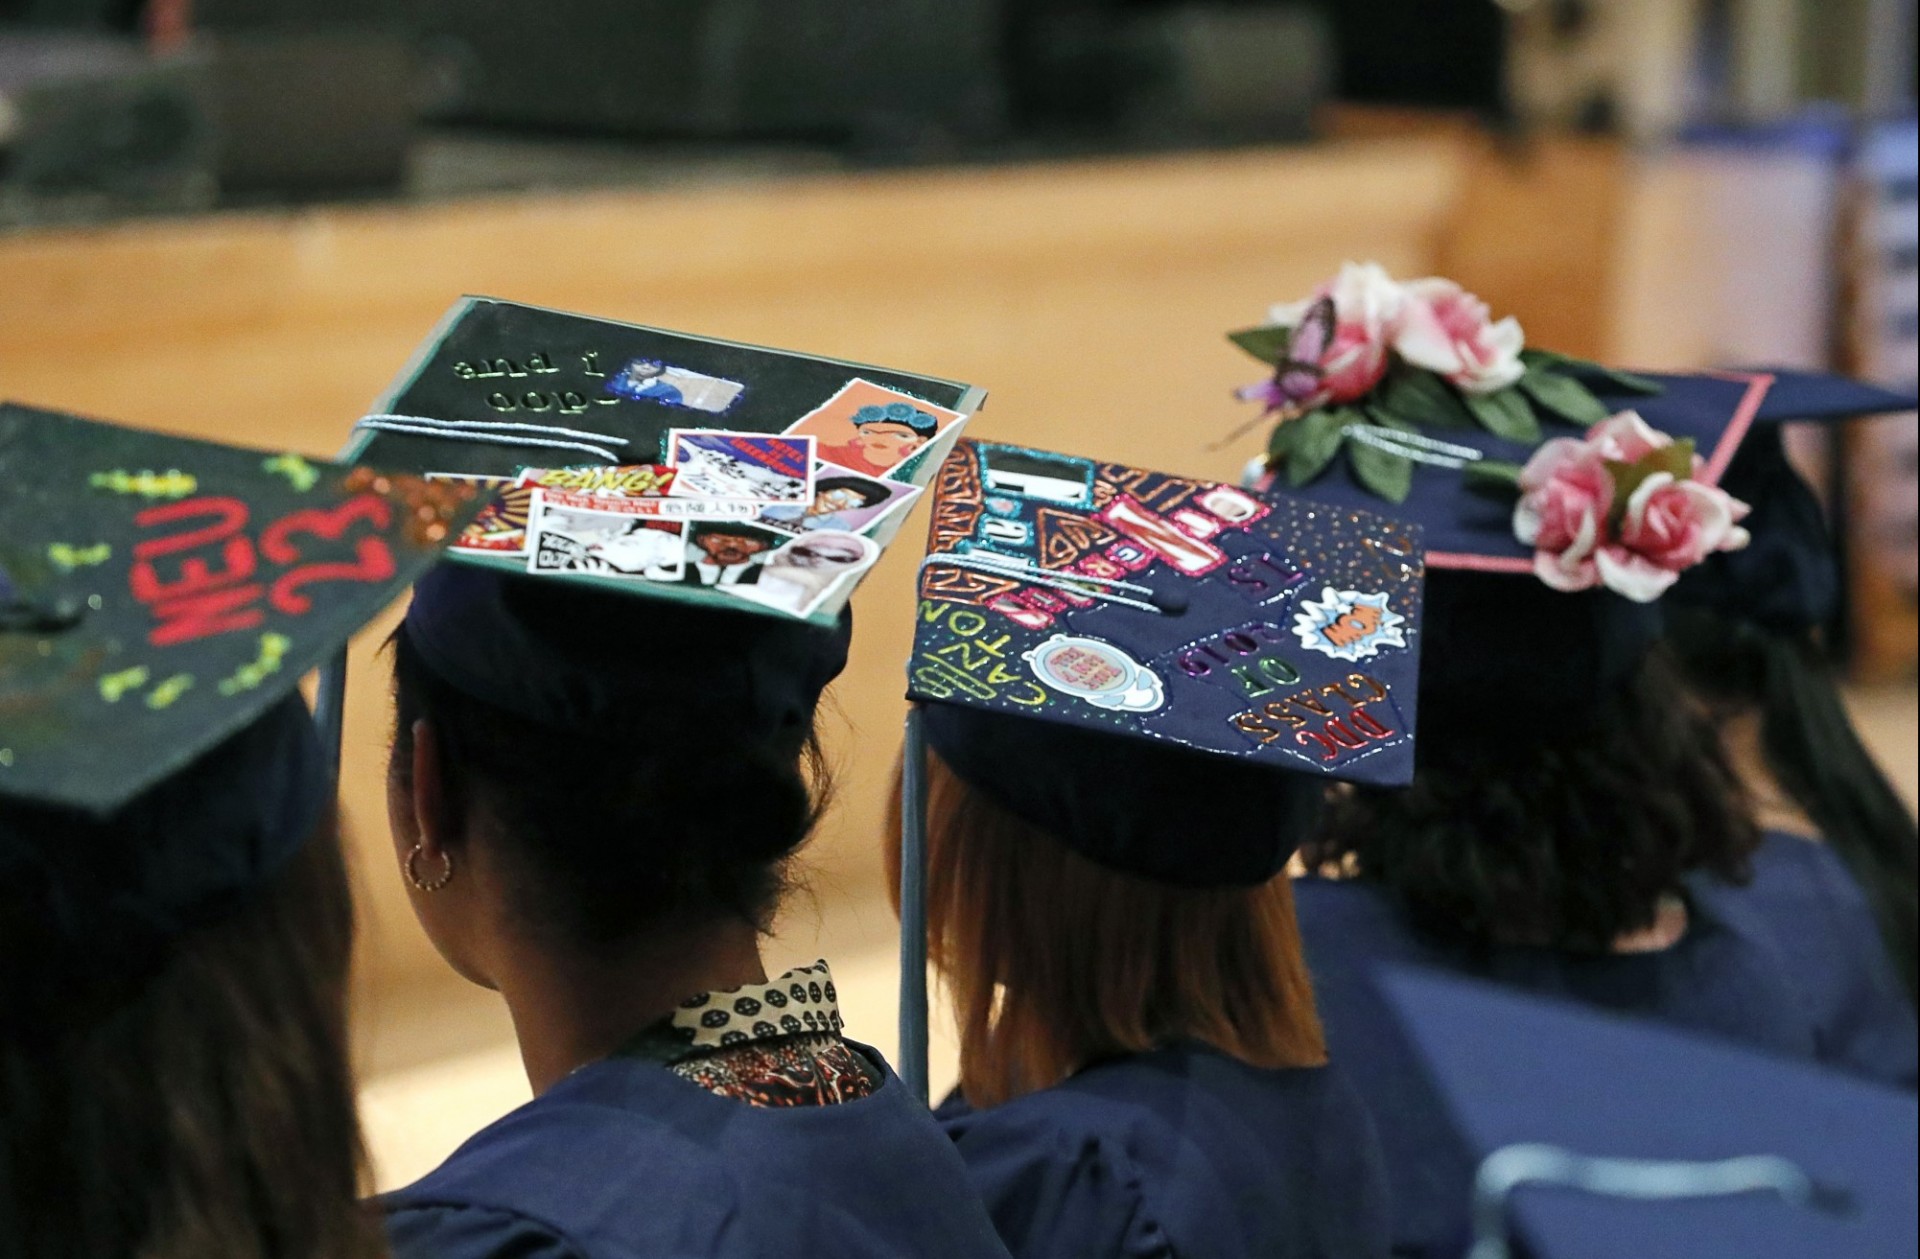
(413, 870)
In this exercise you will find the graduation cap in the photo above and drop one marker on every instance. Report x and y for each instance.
(1162, 672)
(611, 411)
(160, 600)
(1459, 482)
(1600, 1137)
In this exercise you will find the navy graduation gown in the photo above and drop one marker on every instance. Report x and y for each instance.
(626, 1160)
(1804, 902)
(1723, 978)
(1182, 1152)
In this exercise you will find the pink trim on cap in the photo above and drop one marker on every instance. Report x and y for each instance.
(1479, 563)
(1758, 383)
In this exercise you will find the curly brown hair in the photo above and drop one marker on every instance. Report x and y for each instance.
(1565, 838)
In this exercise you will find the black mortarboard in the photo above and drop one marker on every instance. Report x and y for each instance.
(1600, 1137)
(500, 388)
(160, 600)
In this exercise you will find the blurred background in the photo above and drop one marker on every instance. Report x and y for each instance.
(237, 217)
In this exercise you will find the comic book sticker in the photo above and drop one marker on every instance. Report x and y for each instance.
(798, 576)
(843, 501)
(1348, 624)
(626, 481)
(755, 467)
(501, 526)
(612, 537)
(1097, 672)
(650, 380)
(873, 430)
(1172, 609)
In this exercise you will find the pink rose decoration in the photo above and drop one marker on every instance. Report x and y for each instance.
(1448, 330)
(1367, 306)
(1668, 527)
(1626, 437)
(1566, 493)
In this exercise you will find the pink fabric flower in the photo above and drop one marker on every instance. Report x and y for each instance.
(1625, 437)
(1367, 306)
(1668, 526)
(1448, 330)
(1566, 493)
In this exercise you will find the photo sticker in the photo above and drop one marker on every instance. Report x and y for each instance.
(875, 431)
(611, 537)
(802, 573)
(651, 380)
(844, 501)
(1348, 625)
(501, 526)
(756, 467)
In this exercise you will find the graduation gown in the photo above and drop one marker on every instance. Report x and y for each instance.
(1805, 903)
(1725, 977)
(626, 1160)
(1182, 1152)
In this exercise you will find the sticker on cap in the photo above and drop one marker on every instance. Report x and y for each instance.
(1097, 672)
(1348, 624)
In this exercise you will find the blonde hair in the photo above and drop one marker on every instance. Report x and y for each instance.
(1054, 963)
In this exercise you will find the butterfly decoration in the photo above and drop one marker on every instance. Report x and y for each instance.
(1298, 371)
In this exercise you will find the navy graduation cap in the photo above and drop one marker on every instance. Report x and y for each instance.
(664, 464)
(1599, 1137)
(160, 600)
(1603, 486)
(1162, 672)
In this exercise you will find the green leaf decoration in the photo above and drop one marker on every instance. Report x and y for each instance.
(1385, 473)
(1563, 396)
(1268, 344)
(1318, 442)
(1492, 476)
(1285, 435)
(1422, 399)
(1676, 460)
(1625, 382)
(1505, 413)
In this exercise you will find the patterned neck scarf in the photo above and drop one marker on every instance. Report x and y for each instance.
(771, 1044)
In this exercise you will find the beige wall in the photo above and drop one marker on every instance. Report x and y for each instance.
(1089, 299)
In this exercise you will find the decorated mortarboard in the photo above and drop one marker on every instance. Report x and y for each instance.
(1602, 484)
(160, 600)
(1068, 604)
(1410, 394)
(160, 592)
(662, 463)
(1600, 1137)
(1161, 672)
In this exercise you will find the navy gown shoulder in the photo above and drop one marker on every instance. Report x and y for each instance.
(625, 1160)
(1805, 903)
(1184, 1152)
(1721, 979)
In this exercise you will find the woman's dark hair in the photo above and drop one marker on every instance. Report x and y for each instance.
(623, 823)
(1565, 838)
(1816, 756)
(200, 1106)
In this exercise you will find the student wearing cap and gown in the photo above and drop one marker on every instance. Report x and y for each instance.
(1142, 1072)
(175, 919)
(1835, 874)
(595, 798)
(1571, 797)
